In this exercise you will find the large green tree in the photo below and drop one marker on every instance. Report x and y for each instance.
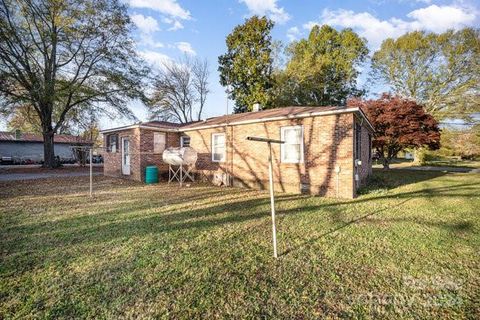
(322, 69)
(439, 71)
(62, 56)
(246, 67)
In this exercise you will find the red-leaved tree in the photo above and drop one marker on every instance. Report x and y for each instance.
(399, 123)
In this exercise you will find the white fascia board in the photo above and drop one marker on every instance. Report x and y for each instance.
(133, 126)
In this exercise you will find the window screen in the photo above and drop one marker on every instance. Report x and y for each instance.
(185, 141)
(112, 143)
(292, 149)
(159, 142)
(218, 147)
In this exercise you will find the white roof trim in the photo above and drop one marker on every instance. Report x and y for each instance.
(306, 115)
(141, 126)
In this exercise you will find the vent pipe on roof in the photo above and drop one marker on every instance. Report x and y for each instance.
(256, 107)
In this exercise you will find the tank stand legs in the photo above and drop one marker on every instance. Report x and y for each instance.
(180, 174)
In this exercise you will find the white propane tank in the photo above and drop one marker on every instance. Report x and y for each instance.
(180, 156)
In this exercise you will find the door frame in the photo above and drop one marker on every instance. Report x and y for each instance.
(124, 167)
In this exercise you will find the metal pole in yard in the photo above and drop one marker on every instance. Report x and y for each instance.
(91, 173)
(270, 176)
(272, 199)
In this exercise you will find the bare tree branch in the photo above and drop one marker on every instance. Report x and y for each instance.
(180, 91)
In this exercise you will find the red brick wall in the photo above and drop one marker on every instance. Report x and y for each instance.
(151, 158)
(141, 153)
(328, 142)
(113, 160)
(201, 141)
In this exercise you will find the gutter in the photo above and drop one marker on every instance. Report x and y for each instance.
(141, 126)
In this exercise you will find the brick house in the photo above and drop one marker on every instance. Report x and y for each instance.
(327, 150)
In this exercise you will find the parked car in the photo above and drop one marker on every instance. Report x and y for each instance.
(6, 160)
(97, 158)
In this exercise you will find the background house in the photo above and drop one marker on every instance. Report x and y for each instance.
(327, 150)
(17, 147)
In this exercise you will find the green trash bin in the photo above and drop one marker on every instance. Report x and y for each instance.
(151, 174)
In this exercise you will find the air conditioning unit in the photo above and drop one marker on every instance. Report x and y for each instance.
(221, 179)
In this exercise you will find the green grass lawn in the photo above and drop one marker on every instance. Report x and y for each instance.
(458, 163)
(408, 247)
(455, 163)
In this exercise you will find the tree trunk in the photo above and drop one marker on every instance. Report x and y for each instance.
(48, 150)
(386, 163)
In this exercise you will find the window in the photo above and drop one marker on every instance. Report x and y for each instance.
(292, 150)
(218, 147)
(159, 141)
(112, 143)
(184, 141)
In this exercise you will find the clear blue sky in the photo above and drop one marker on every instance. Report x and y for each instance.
(168, 29)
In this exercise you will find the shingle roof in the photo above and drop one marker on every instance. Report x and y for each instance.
(162, 124)
(29, 137)
(262, 115)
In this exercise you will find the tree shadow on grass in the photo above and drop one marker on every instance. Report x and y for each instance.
(104, 226)
(92, 228)
(25, 247)
(35, 241)
(459, 190)
(390, 179)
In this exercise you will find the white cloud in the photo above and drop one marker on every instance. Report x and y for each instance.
(154, 59)
(148, 40)
(168, 7)
(176, 25)
(268, 8)
(173, 12)
(432, 18)
(145, 24)
(440, 18)
(293, 33)
(185, 47)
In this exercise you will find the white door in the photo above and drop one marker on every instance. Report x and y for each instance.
(125, 156)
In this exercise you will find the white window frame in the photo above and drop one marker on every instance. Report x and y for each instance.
(156, 134)
(181, 140)
(282, 146)
(224, 157)
(112, 148)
